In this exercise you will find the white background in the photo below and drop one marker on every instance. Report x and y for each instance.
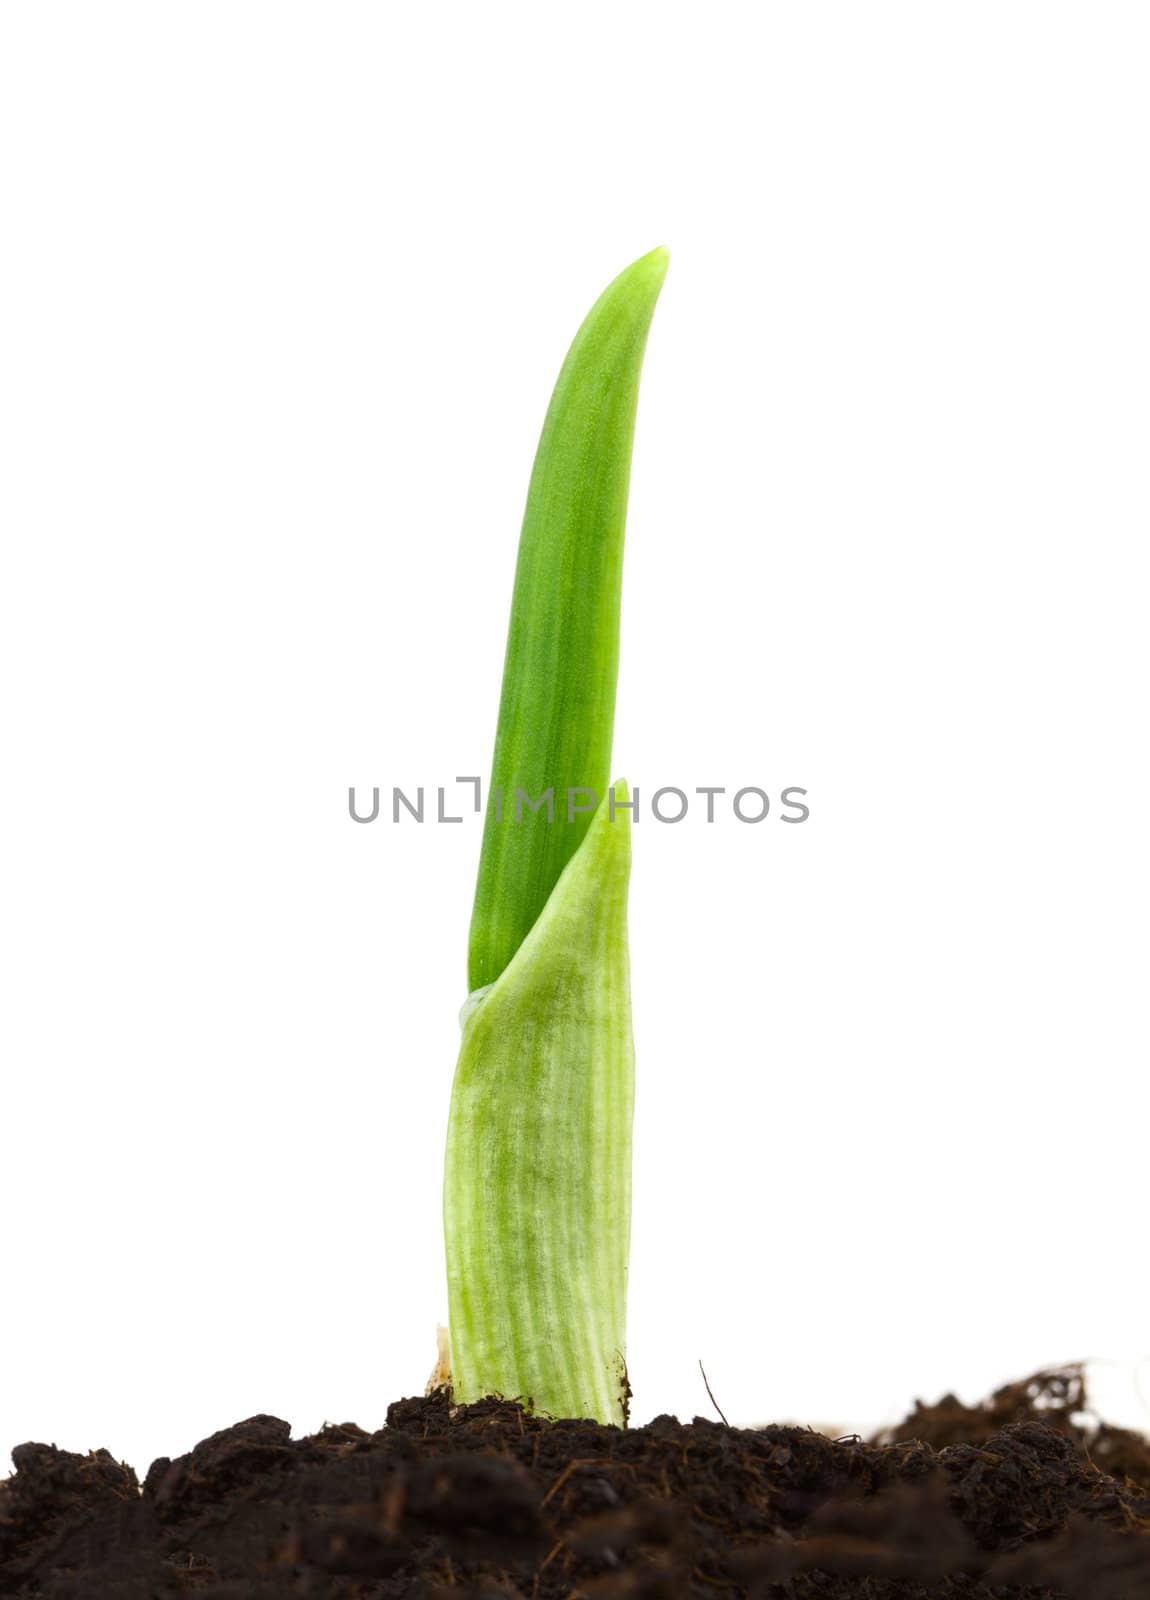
(285, 291)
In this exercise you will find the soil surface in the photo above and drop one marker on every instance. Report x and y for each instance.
(1025, 1495)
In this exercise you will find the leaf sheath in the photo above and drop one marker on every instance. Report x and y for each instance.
(537, 1190)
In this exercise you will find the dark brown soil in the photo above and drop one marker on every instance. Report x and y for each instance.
(1024, 1496)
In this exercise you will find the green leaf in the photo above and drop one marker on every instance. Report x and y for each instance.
(557, 710)
(537, 1189)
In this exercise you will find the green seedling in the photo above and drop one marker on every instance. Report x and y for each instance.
(537, 1189)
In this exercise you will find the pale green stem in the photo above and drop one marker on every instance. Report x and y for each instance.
(537, 1194)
